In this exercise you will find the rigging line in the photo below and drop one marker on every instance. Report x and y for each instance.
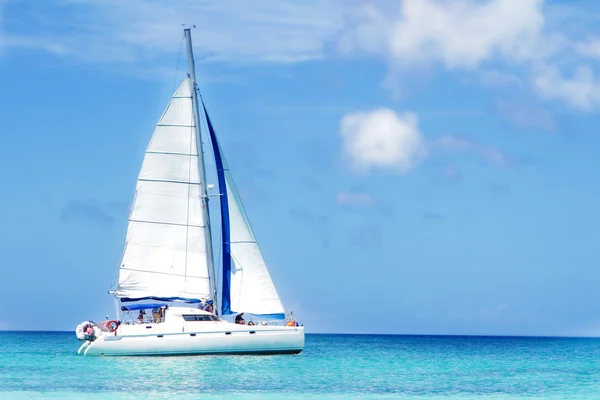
(131, 207)
(162, 273)
(187, 228)
(178, 59)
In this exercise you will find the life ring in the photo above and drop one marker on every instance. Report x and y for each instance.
(112, 325)
(290, 323)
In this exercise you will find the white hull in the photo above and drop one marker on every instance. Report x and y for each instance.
(207, 337)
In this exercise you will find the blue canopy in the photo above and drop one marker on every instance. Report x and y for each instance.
(270, 316)
(134, 307)
(130, 299)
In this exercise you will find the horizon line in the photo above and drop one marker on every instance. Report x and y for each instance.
(449, 335)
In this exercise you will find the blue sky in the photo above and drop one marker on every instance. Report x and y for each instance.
(408, 167)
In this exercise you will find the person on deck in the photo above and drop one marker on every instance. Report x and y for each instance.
(156, 314)
(206, 305)
(202, 304)
(239, 319)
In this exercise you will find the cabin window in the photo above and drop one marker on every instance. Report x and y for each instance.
(200, 318)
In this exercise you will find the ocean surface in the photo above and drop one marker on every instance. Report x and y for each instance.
(46, 365)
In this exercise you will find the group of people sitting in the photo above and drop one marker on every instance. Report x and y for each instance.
(158, 315)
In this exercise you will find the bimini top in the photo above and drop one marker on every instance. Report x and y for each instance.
(134, 307)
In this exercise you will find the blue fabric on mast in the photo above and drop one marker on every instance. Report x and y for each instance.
(225, 231)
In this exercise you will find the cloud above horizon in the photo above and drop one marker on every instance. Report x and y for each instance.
(138, 31)
(459, 34)
(496, 41)
(381, 139)
(384, 139)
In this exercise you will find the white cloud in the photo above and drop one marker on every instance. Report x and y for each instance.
(581, 90)
(497, 42)
(459, 34)
(140, 30)
(464, 34)
(494, 40)
(381, 139)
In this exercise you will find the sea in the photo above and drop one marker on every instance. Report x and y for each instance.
(45, 365)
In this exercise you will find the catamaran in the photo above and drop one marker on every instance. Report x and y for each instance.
(167, 298)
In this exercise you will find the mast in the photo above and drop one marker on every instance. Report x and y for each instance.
(203, 190)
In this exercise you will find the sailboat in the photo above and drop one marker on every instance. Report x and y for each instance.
(167, 298)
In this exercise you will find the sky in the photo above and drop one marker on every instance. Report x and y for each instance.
(409, 167)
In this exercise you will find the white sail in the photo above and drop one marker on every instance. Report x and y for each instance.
(165, 252)
(251, 287)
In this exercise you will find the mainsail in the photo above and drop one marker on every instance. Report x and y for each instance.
(165, 253)
(246, 283)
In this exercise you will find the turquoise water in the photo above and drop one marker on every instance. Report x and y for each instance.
(45, 365)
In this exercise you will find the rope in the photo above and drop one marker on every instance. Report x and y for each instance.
(177, 67)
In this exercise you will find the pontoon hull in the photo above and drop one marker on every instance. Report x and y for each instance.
(258, 340)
